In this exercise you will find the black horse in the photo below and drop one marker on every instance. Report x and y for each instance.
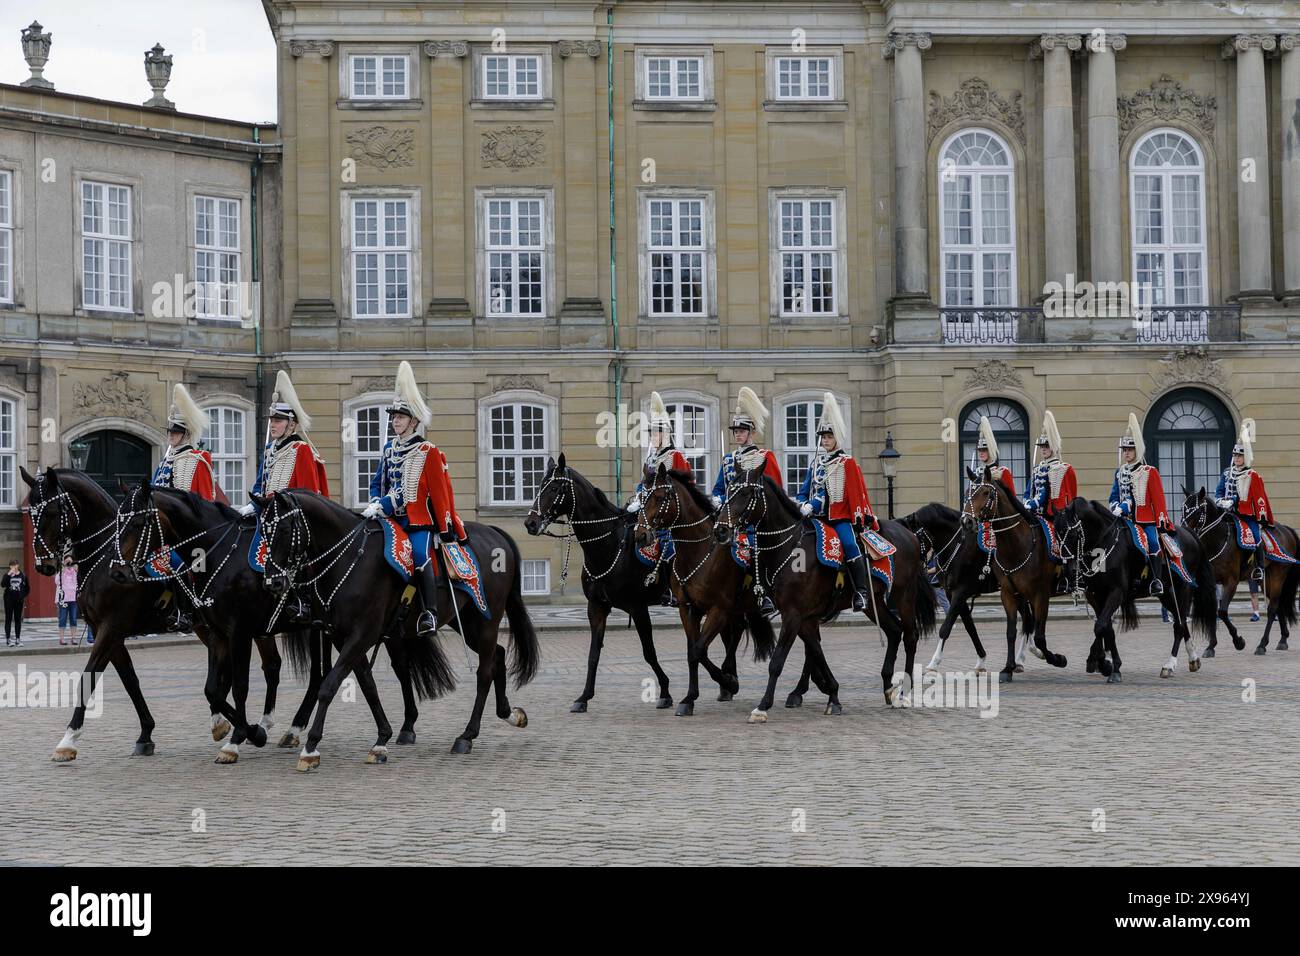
(70, 511)
(335, 560)
(1108, 566)
(960, 564)
(614, 577)
(228, 596)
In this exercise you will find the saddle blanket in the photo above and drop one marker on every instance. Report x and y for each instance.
(1246, 534)
(1274, 550)
(986, 540)
(649, 554)
(1053, 545)
(1147, 545)
(164, 565)
(408, 551)
(742, 548)
(830, 549)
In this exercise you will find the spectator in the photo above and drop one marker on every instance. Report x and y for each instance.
(1254, 600)
(16, 587)
(66, 596)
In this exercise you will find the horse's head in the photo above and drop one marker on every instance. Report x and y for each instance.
(1199, 509)
(746, 505)
(554, 500)
(54, 518)
(982, 502)
(661, 505)
(286, 536)
(141, 536)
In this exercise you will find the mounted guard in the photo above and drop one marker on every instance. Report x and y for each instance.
(289, 459)
(663, 450)
(1138, 496)
(986, 454)
(1052, 486)
(1241, 493)
(184, 467)
(412, 486)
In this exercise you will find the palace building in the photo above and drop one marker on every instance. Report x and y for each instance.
(935, 210)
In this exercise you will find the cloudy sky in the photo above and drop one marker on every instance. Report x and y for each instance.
(223, 57)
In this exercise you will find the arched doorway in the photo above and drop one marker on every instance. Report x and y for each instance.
(1010, 429)
(1189, 434)
(117, 454)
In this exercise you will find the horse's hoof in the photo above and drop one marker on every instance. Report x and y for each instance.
(1114, 678)
(1261, 651)
(757, 716)
(794, 700)
(981, 669)
(144, 749)
(663, 703)
(1166, 672)
(1058, 660)
(308, 764)
(518, 718)
(290, 739)
(726, 695)
(232, 756)
(1209, 652)
(1238, 642)
(1282, 645)
(1020, 668)
(257, 735)
(377, 754)
(462, 746)
(221, 731)
(64, 754)
(578, 707)
(1105, 667)
(1091, 666)
(1194, 665)
(685, 709)
(1004, 677)
(832, 710)
(406, 737)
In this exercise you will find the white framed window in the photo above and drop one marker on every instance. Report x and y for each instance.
(226, 440)
(9, 428)
(372, 430)
(381, 229)
(977, 221)
(519, 449)
(691, 422)
(674, 78)
(808, 242)
(677, 251)
(516, 233)
(216, 257)
(535, 576)
(373, 76)
(512, 76)
(1167, 197)
(6, 236)
(798, 415)
(106, 234)
(803, 78)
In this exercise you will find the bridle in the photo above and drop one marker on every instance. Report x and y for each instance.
(1083, 570)
(988, 515)
(669, 492)
(299, 557)
(789, 535)
(555, 515)
(1202, 529)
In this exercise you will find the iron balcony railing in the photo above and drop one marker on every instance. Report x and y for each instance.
(1172, 325)
(990, 325)
(1188, 324)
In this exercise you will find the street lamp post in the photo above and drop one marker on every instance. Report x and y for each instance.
(889, 465)
(80, 451)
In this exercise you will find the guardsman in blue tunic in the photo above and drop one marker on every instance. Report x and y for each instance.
(1138, 495)
(663, 451)
(1241, 493)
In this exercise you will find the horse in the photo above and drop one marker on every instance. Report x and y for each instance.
(69, 511)
(1108, 566)
(960, 563)
(804, 589)
(1214, 528)
(229, 597)
(612, 574)
(336, 560)
(711, 595)
(1019, 542)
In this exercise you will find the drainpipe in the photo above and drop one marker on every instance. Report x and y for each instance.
(257, 277)
(613, 263)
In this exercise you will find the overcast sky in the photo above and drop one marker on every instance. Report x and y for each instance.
(223, 57)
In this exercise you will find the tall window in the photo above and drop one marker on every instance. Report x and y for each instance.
(372, 430)
(673, 77)
(1010, 430)
(691, 432)
(512, 77)
(8, 453)
(225, 441)
(518, 452)
(1167, 193)
(979, 237)
(1189, 435)
(515, 244)
(6, 236)
(804, 78)
(379, 77)
(106, 246)
(535, 576)
(799, 444)
(677, 250)
(808, 249)
(216, 257)
(381, 258)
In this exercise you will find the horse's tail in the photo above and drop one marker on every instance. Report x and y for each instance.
(760, 629)
(430, 671)
(1205, 605)
(926, 602)
(1286, 608)
(1026, 611)
(297, 647)
(524, 650)
(1128, 611)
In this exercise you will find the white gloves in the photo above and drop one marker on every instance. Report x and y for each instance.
(371, 510)
(1117, 510)
(805, 509)
(717, 502)
(634, 506)
(246, 509)
(1225, 503)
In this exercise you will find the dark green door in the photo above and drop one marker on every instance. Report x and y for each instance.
(114, 455)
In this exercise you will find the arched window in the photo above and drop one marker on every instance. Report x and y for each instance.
(1010, 430)
(692, 431)
(370, 430)
(225, 440)
(1167, 197)
(518, 431)
(977, 222)
(797, 418)
(1189, 435)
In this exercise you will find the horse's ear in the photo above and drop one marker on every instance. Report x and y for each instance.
(988, 474)
(1200, 495)
(31, 482)
(661, 472)
(970, 473)
(51, 476)
(123, 486)
(258, 500)
(552, 463)
(1186, 494)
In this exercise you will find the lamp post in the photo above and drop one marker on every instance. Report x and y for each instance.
(889, 465)
(80, 450)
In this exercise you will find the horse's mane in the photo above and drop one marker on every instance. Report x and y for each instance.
(785, 501)
(1016, 503)
(68, 477)
(602, 501)
(933, 513)
(199, 509)
(688, 483)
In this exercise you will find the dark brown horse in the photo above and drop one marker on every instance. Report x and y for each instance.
(806, 593)
(1021, 560)
(1216, 530)
(708, 584)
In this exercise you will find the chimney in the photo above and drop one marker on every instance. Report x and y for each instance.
(36, 51)
(158, 70)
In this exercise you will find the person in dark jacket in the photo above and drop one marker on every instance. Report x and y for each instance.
(16, 587)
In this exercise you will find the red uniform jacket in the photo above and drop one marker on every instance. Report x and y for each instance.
(1255, 505)
(201, 481)
(1004, 475)
(308, 471)
(434, 503)
(855, 506)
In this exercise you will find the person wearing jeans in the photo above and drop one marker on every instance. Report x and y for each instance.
(66, 587)
(16, 587)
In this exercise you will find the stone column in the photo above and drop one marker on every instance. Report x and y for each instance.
(1059, 208)
(580, 214)
(1290, 121)
(911, 243)
(1253, 221)
(449, 318)
(1104, 177)
(316, 188)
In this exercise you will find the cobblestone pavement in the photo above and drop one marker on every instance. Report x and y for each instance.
(1184, 770)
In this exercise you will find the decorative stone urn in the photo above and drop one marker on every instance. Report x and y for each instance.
(36, 51)
(158, 70)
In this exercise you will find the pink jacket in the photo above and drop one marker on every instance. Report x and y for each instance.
(67, 585)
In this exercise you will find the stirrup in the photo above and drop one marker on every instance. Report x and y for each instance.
(766, 607)
(426, 623)
(1257, 573)
(860, 601)
(1156, 587)
(668, 600)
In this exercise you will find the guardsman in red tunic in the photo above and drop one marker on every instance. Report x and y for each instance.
(663, 451)
(1241, 492)
(1138, 495)
(834, 490)
(289, 459)
(1052, 484)
(412, 486)
(986, 455)
(183, 466)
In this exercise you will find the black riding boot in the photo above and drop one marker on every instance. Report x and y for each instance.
(666, 599)
(1153, 568)
(858, 571)
(1257, 572)
(177, 619)
(427, 584)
